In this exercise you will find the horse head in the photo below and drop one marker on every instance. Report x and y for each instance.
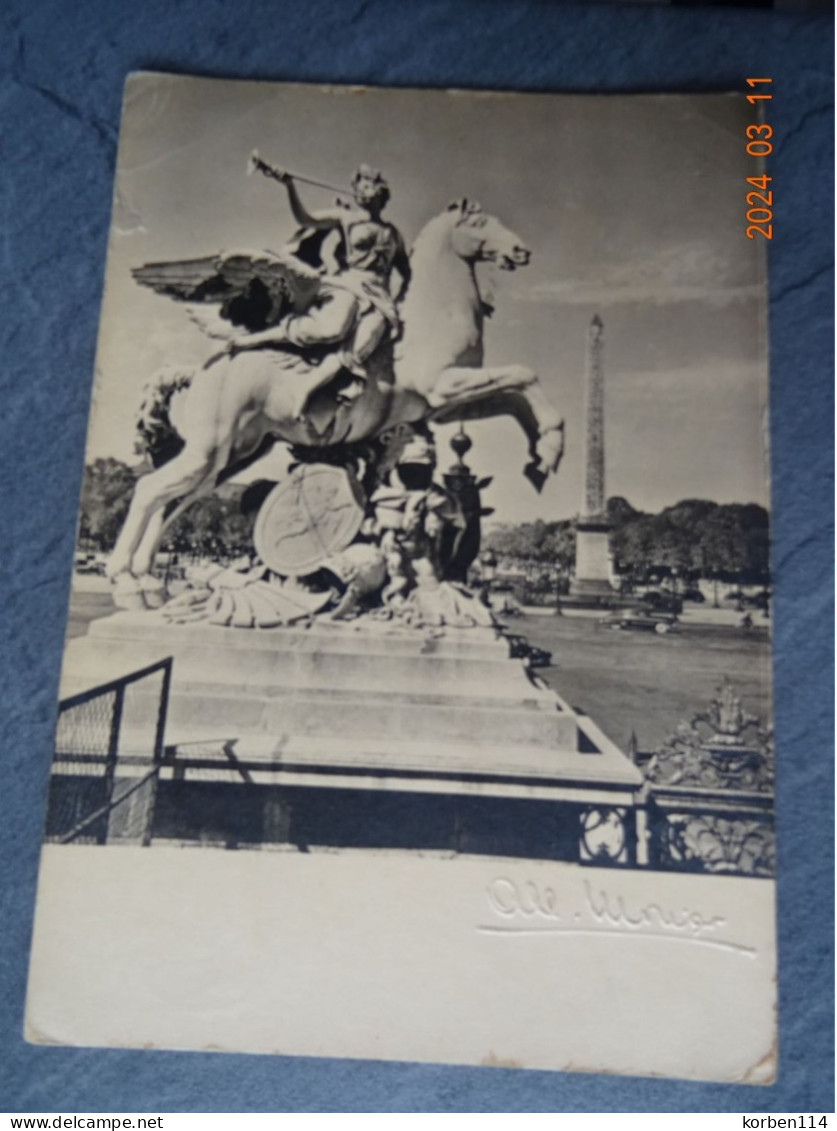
(478, 237)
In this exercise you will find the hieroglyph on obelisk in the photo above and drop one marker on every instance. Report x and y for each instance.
(594, 486)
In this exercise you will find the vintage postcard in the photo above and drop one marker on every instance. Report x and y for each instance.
(416, 695)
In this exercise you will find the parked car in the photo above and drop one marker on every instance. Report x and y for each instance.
(521, 649)
(757, 600)
(693, 595)
(641, 620)
(664, 602)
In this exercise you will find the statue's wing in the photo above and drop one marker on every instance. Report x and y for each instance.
(284, 277)
(191, 280)
(254, 289)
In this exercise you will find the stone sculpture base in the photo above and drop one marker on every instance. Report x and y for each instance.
(362, 712)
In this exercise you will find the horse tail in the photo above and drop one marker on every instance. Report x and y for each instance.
(157, 439)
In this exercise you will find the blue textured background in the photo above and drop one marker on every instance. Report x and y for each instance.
(62, 65)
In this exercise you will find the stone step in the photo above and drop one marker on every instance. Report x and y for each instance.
(349, 637)
(418, 675)
(282, 711)
(326, 684)
(365, 670)
(198, 757)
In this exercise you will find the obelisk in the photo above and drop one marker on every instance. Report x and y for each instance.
(592, 547)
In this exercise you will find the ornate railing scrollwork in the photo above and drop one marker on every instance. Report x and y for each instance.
(605, 836)
(737, 846)
(710, 793)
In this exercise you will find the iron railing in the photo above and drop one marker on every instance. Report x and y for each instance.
(109, 746)
(680, 831)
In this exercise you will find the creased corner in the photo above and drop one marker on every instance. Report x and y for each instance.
(765, 1071)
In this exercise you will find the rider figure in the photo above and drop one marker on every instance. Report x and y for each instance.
(354, 308)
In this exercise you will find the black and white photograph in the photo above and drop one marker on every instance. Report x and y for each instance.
(419, 638)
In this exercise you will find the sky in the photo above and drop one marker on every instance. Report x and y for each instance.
(633, 208)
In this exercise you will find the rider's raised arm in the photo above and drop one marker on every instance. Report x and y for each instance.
(326, 218)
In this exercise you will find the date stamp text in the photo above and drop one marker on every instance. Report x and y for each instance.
(760, 198)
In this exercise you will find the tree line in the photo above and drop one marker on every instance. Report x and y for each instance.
(695, 536)
(211, 526)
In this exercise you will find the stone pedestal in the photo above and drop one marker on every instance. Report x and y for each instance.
(592, 559)
(356, 710)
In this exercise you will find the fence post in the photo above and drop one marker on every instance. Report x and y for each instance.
(112, 756)
(129, 780)
(641, 819)
(159, 736)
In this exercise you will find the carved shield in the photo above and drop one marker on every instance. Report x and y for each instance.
(313, 514)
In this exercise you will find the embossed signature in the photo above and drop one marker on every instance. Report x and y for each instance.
(527, 907)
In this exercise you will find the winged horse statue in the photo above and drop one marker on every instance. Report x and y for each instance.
(229, 410)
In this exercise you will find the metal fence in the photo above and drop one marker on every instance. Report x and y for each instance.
(682, 831)
(707, 802)
(108, 751)
(710, 831)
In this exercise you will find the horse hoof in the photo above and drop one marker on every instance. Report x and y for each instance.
(130, 602)
(153, 591)
(550, 448)
(536, 475)
(137, 594)
(127, 594)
